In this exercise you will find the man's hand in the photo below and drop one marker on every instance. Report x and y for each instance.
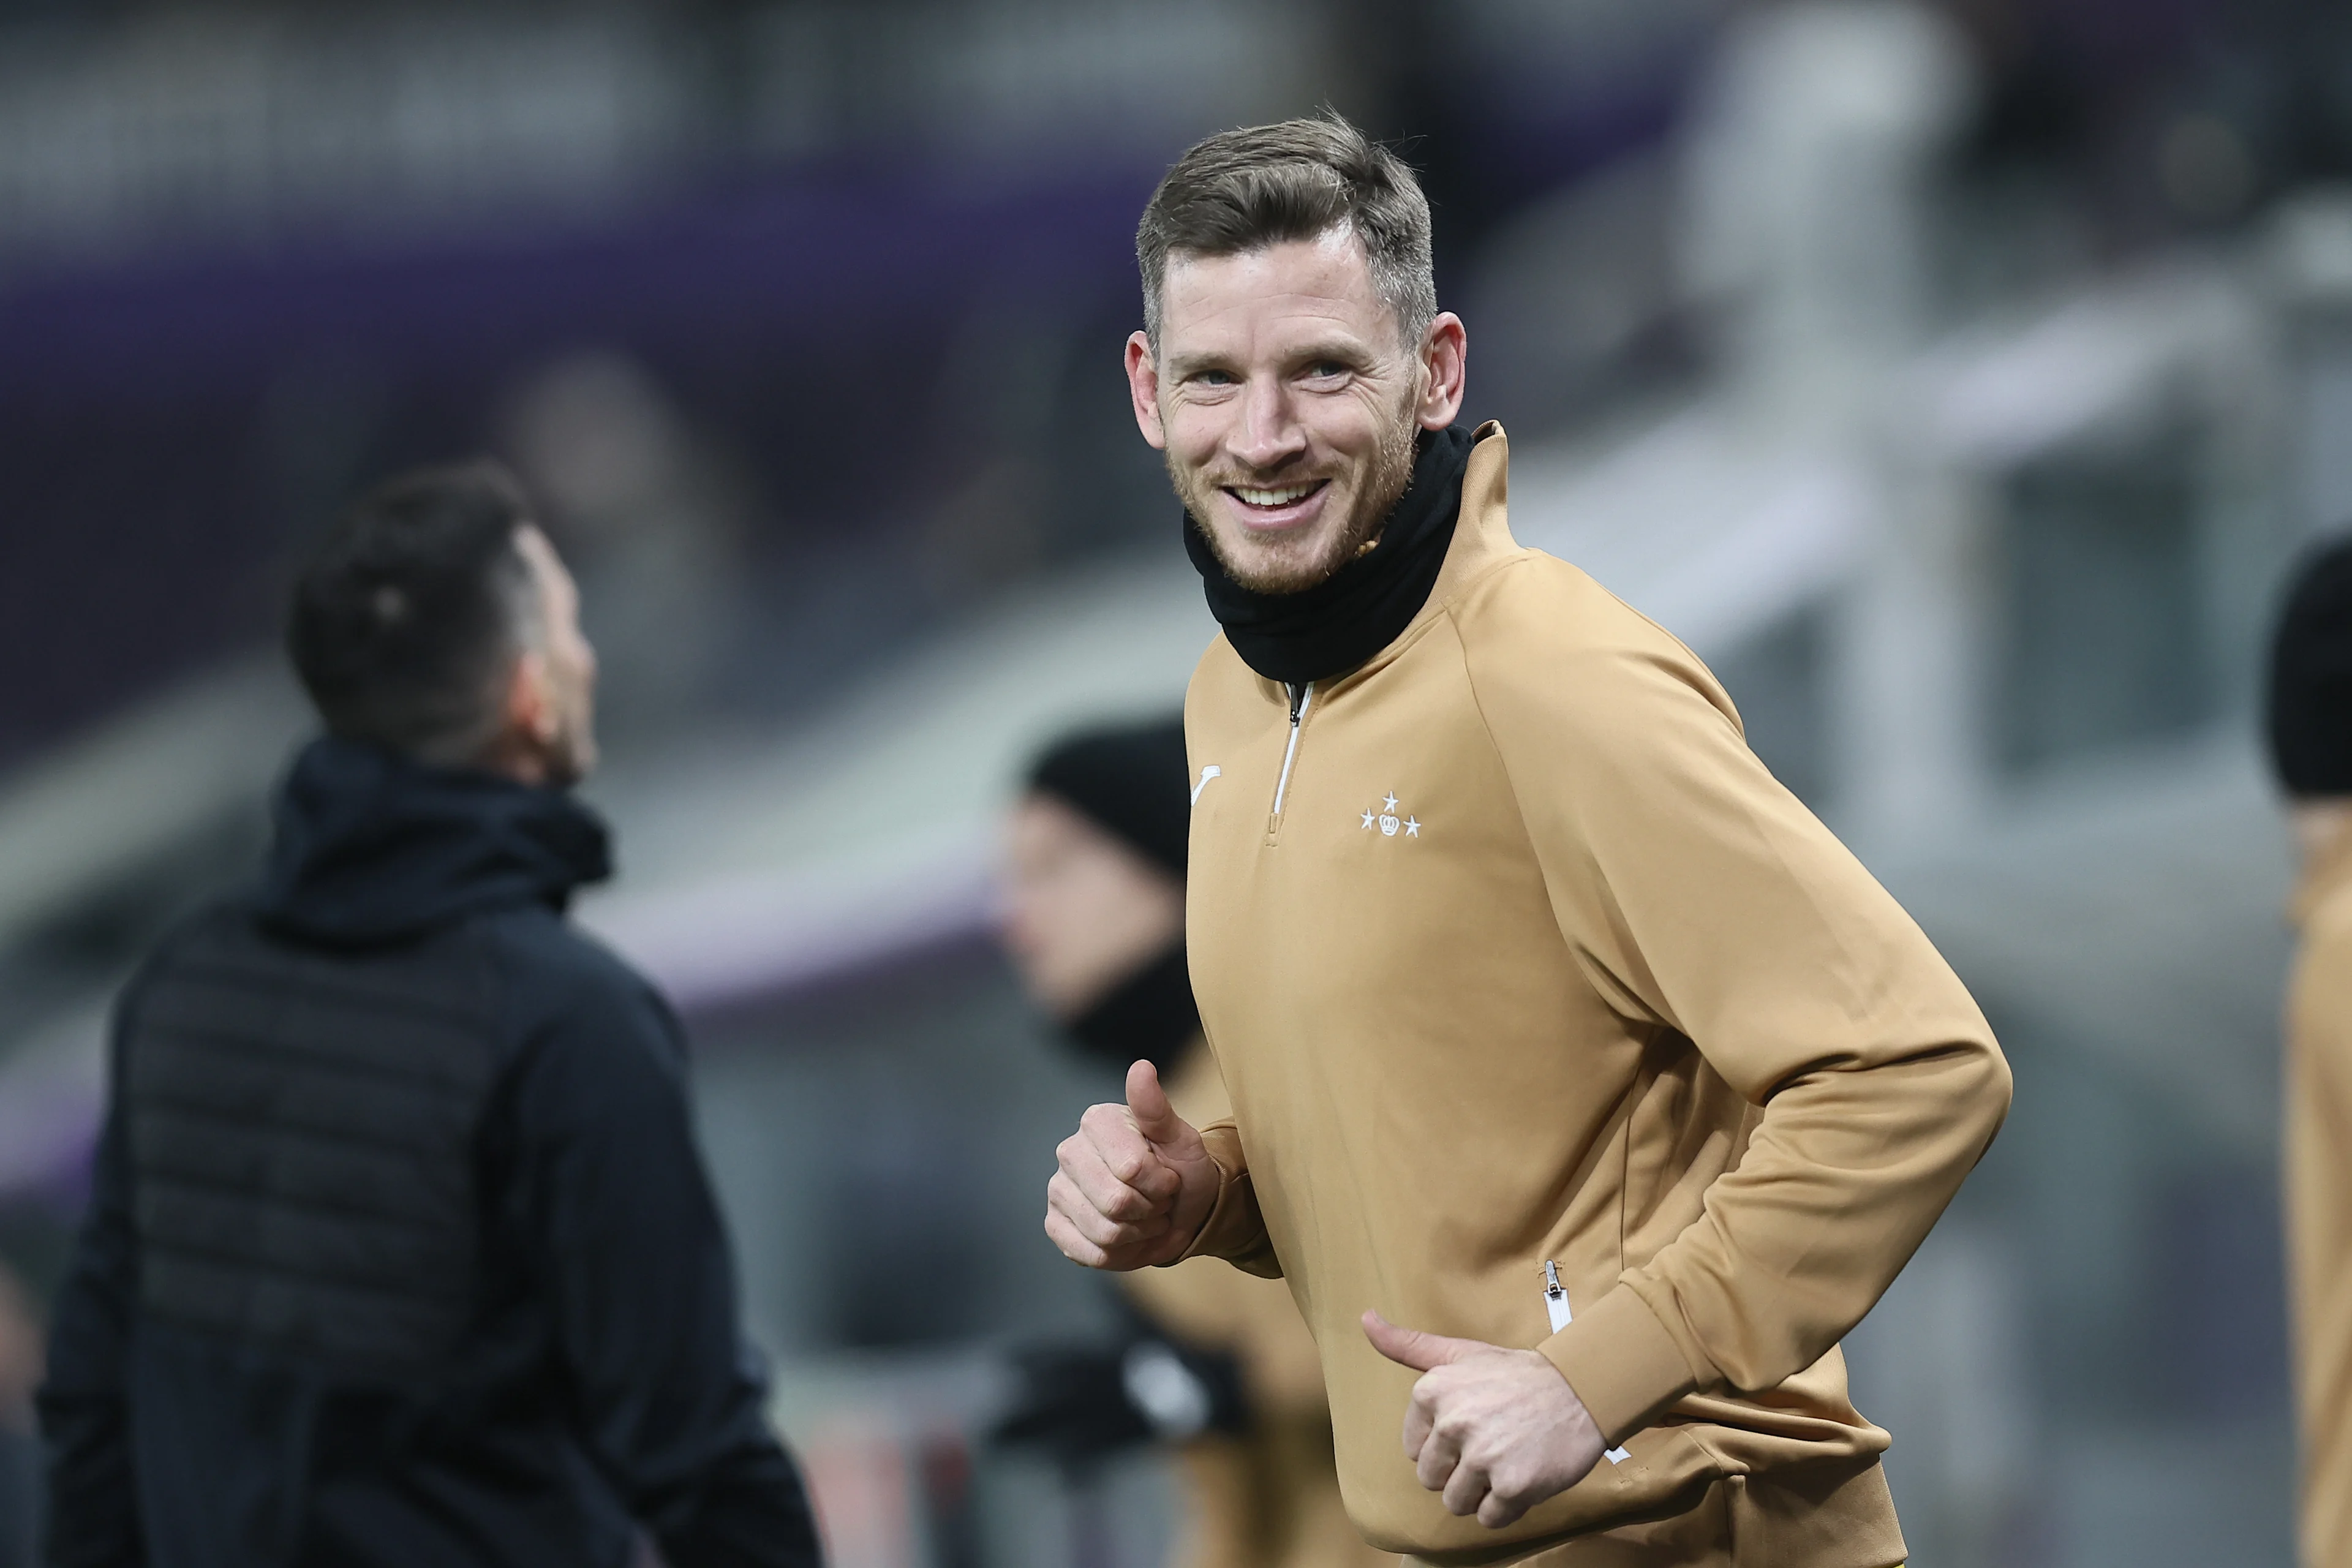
(1496, 1431)
(1136, 1183)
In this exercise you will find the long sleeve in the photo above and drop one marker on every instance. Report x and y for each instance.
(1703, 899)
(1235, 1228)
(668, 1397)
(2317, 1159)
(93, 1519)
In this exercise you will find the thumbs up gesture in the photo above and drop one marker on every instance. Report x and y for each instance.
(1496, 1431)
(1135, 1184)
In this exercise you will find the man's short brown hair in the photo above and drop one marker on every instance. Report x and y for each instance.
(1241, 191)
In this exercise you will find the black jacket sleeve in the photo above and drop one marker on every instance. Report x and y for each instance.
(668, 1397)
(84, 1401)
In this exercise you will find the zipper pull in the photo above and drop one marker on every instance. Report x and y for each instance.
(1556, 1298)
(1556, 1305)
(1300, 696)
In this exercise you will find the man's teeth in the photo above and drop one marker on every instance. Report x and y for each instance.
(1282, 497)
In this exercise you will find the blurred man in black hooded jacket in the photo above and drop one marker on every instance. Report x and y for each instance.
(401, 1251)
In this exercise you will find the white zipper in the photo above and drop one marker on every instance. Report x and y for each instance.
(1556, 1308)
(1301, 702)
(1556, 1298)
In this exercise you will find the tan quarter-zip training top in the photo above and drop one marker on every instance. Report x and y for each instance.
(1512, 954)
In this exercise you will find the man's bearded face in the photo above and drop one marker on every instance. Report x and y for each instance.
(1287, 405)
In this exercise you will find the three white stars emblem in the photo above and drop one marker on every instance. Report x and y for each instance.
(1388, 823)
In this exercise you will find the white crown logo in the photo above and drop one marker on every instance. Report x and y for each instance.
(1387, 822)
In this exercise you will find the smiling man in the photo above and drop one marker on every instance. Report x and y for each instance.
(1556, 1029)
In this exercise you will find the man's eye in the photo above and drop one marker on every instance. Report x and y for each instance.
(1213, 377)
(1326, 369)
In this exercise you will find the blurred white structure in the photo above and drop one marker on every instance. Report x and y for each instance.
(872, 830)
(1806, 201)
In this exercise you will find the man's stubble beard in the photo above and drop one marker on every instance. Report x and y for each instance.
(1392, 472)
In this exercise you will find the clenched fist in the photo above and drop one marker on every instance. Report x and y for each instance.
(1136, 1183)
(1496, 1431)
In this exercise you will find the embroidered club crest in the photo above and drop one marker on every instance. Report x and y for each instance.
(1383, 819)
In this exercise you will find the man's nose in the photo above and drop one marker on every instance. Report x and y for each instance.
(1270, 434)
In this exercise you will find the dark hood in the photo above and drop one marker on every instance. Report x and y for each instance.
(369, 847)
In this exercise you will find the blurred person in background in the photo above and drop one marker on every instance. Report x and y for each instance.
(1555, 1027)
(1095, 922)
(2310, 722)
(401, 1250)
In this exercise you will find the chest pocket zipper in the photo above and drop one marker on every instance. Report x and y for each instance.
(1556, 1308)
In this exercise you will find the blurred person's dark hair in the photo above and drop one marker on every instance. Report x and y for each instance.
(411, 610)
(1244, 190)
(1127, 779)
(2310, 698)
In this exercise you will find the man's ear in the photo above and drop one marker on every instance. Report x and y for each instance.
(1444, 364)
(531, 711)
(1143, 390)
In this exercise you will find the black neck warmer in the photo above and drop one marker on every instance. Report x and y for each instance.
(1358, 610)
(2310, 699)
(1149, 1015)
